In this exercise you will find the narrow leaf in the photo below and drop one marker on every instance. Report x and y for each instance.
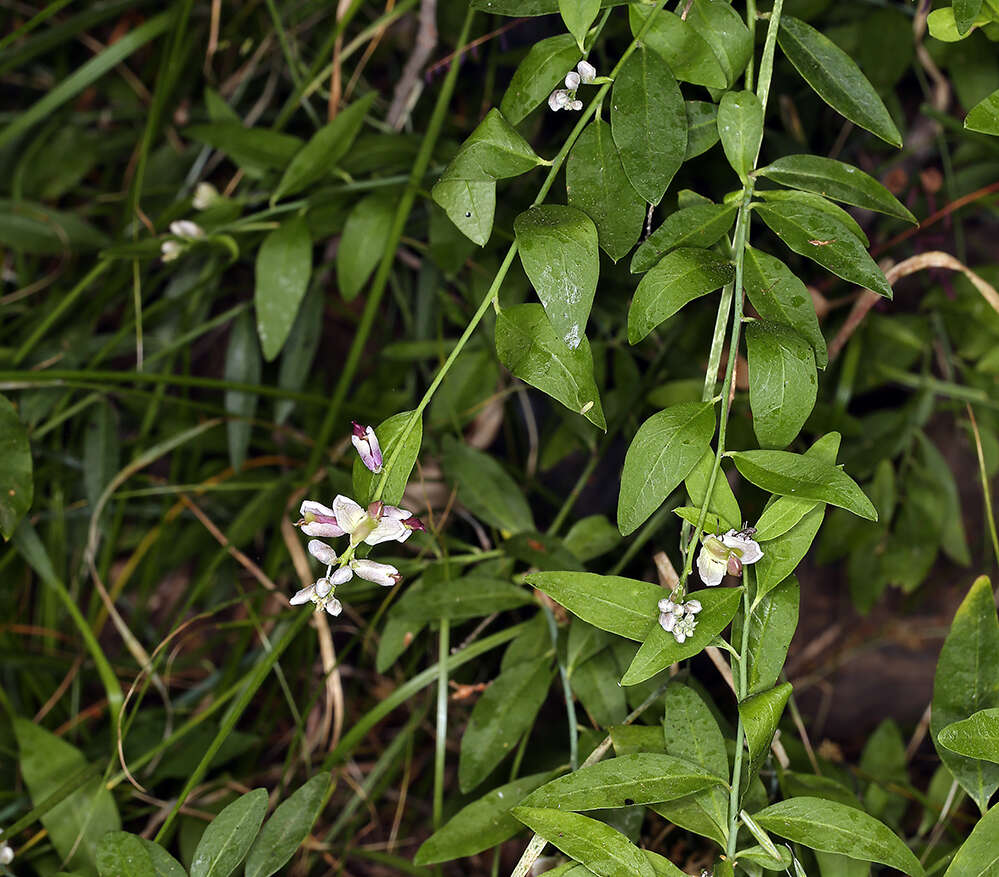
(284, 264)
(363, 242)
(740, 126)
(698, 226)
(287, 828)
(229, 835)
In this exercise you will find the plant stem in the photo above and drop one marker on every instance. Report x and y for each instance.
(733, 801)
(570, 702)
(380, 281)
(441, 748)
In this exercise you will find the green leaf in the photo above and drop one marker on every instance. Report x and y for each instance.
(578, 15)
(527, 345)
(785, 511)
(837, 180)
(485, 488)
(680, 277)
(27, 227)
(470, 596)
(493, 151)
(242, 365)
(595, 182)
(782, 382)
(164, 865)
(699, 226)
(119, 852)
(804, 477)
(759, 856)
(816, 202)
(324, 150)
(389, 432)
(782, 555)
(648, 123)
(505, 711)
(77, 823)
(723, 502)
(713, 523)
(690, 57)
(825, 239)
(558, 248)
(255, 150)
(836, 78)
(101, 453)
(469, 204)
(364, 238)
(836, 828)
(778, 295)
(602, 849)
(287, 828)
(724, 30)
(690, 731)
(702, 128)
(623, 606)
(760, 714)
(965, 14)
(974, 737)
(229, 835)
(591, 536)
(978, 856)
(15, 469)
(481, 825)
(541, 71)
(284, 265)
(640, 778)
(594, 682)
(664, 450)
(967, 681)
(771, 628)
(661, 649)
(300, 351)
(740, 127)
(984, 116)
(883, 760)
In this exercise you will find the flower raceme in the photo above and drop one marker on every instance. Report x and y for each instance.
(726, 554)
(565, 98)
(378, 523)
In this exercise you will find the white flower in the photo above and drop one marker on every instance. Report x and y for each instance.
(692, 607)
(572, 80)
(205, 196)
(184, 228)
(6, 853)
(684, 628)
(363, 526)
(728, 553)
(559, 99)
(321, 593)
(318, 520)
(322, 552)
(587, 72)
(170, 250)
(379, 573)
(366, 444)
(576, 105)
(667, 621)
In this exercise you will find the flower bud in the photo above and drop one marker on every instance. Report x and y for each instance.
(587, 72)
(572, 80)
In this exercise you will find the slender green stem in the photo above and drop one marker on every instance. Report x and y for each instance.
(440, 751)
(493, 292)
(733, 801)
(380, 282)
(570, 701)
(984, 475)
(751, 24)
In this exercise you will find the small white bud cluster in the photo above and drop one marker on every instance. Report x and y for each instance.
(678, 618)
(565, 98)
(187, 232)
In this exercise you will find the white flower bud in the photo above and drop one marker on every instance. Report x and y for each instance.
(692, 606)
(576, 105)
(667, 621)
(587, 72)
(170, 250)
(205, 195)
(572, 80)
(558, 100)
(184, 228)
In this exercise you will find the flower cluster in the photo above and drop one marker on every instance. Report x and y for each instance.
(678, 618)
(727, 554)
(187, 231)
(378, 523)
(565, 98)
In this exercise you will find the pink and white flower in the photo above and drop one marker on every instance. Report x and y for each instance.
(726, 554)
(366, 443)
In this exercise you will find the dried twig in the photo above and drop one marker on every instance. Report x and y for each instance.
(408, 88)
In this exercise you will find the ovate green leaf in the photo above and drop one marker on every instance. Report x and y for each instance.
(596, 183)
(287, 828)
(648, 123)
(664, 450)
(680, 277)
(539, 73)
(527, 345)
(364, 238)
(984, 116)
(698, 226)
(975, 737)
(687, 52)
(740, 126)
(284, 264)
(558, 248)
(229, 835)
